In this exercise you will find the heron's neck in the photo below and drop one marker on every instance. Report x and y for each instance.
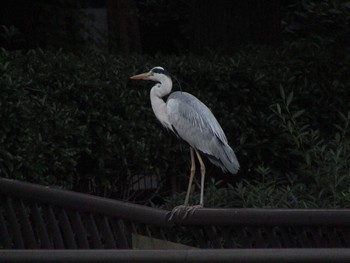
(158, 105)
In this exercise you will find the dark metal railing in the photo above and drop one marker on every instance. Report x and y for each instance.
(38, 217)
(82, 202)
(33, 216)
(176, 256)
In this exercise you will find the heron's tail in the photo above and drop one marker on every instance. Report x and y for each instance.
(225, 158)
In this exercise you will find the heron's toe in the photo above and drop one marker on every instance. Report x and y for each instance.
(177, 211)
(183, 211)
(190, 210)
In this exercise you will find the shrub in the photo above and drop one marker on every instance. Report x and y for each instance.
(76, 121)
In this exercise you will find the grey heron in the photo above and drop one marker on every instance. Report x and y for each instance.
(192, 121)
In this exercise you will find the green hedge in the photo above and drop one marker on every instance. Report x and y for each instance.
(77, 121)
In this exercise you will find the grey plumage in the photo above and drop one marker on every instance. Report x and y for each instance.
(196, 124)
(192, 121)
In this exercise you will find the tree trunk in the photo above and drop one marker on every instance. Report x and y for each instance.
(123, 27)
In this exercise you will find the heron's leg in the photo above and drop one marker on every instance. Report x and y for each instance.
(185, 209)
(193, 170)
(201, 202)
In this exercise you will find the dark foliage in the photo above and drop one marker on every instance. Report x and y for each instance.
(78, 122)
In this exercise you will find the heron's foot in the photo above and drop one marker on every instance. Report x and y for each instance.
(190, 210)
(183, 211)
(177, 211)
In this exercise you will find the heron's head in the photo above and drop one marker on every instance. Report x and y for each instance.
(156, 74)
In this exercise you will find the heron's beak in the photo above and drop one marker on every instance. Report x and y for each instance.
(141, 76)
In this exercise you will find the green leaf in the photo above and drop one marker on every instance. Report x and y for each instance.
(290, 98)
(342, 115)
(278, 108)
(283, 95)
(298, 114)
(339, 127)
(337, 137)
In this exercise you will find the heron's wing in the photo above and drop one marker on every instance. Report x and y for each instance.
(196, 124)
(185, 109)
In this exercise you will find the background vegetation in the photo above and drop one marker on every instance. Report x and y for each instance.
(75, 120)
